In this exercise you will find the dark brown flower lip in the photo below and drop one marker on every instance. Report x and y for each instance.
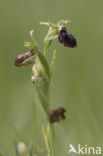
(68, 40)
(22, 57)
(57, 115)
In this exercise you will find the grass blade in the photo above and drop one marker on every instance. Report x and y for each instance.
(4, 149)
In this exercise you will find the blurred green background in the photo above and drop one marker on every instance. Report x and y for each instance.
(77, 81)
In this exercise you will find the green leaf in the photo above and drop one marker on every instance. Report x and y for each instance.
(45, 65)
(53, 61)
(43, 99)
(47, 45)
(44, 86)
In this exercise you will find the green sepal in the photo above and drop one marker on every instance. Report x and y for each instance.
(63, 22)
(51, 35)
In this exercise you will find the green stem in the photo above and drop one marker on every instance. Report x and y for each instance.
(47, 132)
(51, 138)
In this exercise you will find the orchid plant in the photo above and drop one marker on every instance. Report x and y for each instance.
(42, 74)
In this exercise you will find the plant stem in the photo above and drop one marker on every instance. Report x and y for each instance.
(50, 127)
(47, 132)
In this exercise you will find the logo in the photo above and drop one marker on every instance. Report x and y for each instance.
(84, 149)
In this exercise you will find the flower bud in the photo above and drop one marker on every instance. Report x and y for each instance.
(34, 79)
(21, 59)
(68, 40)
(21, 147)
(57, 115)
(37, 70)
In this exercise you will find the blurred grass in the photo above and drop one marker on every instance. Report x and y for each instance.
(78, 77)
